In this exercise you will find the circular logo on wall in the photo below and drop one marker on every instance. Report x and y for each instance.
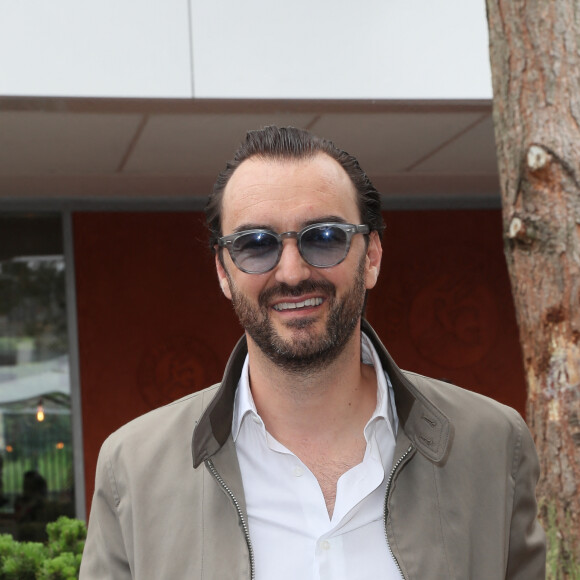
(177, 367)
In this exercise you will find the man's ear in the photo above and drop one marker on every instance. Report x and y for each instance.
(222, 277)
(373, 260)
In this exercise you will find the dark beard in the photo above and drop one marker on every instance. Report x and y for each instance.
(304, 353)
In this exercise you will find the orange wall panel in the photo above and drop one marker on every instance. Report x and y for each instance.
(153, 324)
(443, 304)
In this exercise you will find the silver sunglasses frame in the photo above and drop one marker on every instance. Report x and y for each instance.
(350, 230)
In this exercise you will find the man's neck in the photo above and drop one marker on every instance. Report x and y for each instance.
(320, 406)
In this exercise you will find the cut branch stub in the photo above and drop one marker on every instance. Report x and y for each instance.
(537, 158)
(517, 229)
(522, 230)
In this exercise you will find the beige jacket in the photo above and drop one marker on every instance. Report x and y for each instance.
(460, 503)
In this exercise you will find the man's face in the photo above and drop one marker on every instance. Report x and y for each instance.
(301, 317)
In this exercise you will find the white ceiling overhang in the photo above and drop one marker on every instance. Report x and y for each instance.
(166, 153)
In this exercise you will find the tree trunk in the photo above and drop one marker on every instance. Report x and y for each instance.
(535, 62)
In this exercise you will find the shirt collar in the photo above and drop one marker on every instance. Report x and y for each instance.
(244, 401)
(385, 408)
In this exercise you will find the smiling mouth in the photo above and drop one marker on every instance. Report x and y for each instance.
(297, 305)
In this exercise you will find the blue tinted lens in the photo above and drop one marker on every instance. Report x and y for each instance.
(324, 245)
(255, 252)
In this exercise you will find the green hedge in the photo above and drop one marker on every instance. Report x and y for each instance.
(58, 559)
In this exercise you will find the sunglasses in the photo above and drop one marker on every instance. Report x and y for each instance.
(321, 245)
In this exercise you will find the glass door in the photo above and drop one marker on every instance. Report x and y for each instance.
(36, 451)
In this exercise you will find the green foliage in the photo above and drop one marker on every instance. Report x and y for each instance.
(7, 546)
(59, 559)
(66, 535)
(24, 562)
(63, 567)
(561, 561)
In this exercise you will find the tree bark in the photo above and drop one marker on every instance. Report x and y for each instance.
(535, 62)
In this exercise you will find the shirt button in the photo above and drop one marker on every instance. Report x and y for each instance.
(256, 420)
(298, 471)
(325, 545)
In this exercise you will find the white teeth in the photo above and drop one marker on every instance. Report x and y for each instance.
(294, 305)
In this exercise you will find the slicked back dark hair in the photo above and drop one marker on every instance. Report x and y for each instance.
(290, 143)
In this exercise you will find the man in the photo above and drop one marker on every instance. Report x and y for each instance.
(316, 457)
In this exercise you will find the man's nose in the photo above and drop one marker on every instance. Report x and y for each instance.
(292, 268)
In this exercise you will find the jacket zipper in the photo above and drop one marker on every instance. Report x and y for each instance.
(224, 485)
(229, 492)
(386, 509)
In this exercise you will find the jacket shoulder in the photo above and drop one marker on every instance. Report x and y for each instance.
(177, 418)
(464, 407)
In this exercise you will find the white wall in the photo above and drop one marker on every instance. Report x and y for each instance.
(377, 49)
(101, 48)
(383, 49)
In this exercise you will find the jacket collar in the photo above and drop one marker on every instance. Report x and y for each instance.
(426, 426)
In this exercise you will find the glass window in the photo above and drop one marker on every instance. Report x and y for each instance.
(36, 458)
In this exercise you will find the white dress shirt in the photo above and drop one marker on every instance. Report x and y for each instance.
(292, 535)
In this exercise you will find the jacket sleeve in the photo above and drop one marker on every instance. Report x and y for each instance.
(105, 555)
(527, 541)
